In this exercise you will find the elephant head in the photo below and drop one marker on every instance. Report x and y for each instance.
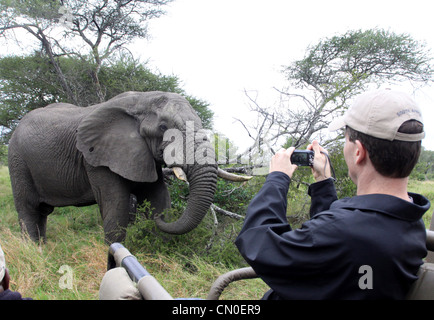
(129, 135)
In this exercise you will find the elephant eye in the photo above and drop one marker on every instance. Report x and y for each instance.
(163, 127)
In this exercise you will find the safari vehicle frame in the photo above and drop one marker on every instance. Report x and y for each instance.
(151, 289)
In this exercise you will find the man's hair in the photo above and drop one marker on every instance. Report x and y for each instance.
(393, 159)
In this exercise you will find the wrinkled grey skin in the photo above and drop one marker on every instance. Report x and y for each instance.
(64, 155)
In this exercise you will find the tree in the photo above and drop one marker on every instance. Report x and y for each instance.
(332, 72)
(424, 169)
(82, 57)
(128, 74)
(89, 30)
(30, 82)
(26, 83)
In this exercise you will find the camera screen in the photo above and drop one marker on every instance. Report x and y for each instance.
(300, 157)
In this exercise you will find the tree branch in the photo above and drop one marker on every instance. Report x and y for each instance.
(226, 213)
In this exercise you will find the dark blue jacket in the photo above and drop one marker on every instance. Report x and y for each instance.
(364, 247)
(12, 295)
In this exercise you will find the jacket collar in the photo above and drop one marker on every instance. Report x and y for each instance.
(387, 204)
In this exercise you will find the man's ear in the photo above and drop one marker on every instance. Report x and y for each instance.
(361, 152)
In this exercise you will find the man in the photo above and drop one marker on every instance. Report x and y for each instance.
(5, 293)
(369, 246)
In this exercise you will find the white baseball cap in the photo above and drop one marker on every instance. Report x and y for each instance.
(380, 113)
(2, 264)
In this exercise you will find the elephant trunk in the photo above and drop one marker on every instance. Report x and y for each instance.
(202, 179)
(202, 182)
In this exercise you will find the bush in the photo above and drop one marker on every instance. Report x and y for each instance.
(212, 242)
(3, 155)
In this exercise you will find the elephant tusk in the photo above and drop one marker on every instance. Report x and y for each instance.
(232, 177)
(180, 174)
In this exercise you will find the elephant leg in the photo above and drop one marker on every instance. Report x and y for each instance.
(32, 214)
(156, 193)
(112, 193)
(33, 223)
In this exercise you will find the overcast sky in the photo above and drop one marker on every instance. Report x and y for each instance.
(219, 48)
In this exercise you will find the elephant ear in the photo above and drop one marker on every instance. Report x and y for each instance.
(109, 136)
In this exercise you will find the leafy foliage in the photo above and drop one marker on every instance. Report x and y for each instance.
(96, 29)
(26, 83)
(332, 72)
(29, 82)
(213, 239)
(213, 245)
(346, 62)
(424, 169)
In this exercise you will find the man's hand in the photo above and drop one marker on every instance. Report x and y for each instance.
(281, 161)
(321, 166)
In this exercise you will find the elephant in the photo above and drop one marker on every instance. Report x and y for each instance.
(66, 155)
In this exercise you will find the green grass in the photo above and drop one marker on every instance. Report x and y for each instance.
(75, 239)
(185, 265)
(425, 188)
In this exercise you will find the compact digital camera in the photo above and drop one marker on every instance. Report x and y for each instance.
(302, 158)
